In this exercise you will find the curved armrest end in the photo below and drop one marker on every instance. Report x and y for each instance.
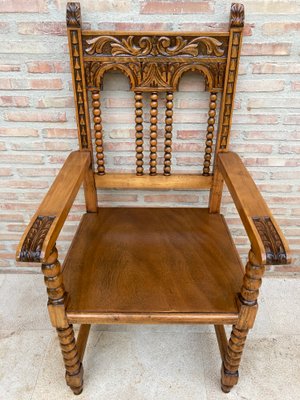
(40, 235)
(267, 241)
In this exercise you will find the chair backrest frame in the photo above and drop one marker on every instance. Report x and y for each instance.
(154, 62)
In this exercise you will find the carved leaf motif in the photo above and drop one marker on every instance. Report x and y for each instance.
(273, 245)
(151, 45)
(154, 75)
(237, 15)
(73, 15)
(119, 47)
(182, 46)
(33, 243)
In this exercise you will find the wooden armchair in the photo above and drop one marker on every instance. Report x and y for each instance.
(153, 265)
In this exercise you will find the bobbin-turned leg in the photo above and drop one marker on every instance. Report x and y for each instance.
(74, 368)
(56, 307)
(248, 309)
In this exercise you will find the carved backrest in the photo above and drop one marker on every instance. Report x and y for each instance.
(154, 62)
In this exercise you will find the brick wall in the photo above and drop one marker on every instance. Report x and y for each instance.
(38, 130)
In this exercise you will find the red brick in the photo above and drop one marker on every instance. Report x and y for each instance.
(188, 147)
(35, 84)
(260, 85)
(59, 133)
(269, 135)
(296, 86)
(117, 198)
(276, 68)
(176, 7)
(56, 102)
(292, 119)
(289, 149)
(275, 188)
(17, 159)
(46, 67)
(255, 119)
(171, 198)
(24, 6)
(279, 28)
(266, 49)
(59, 146)
(14, 101)
(190, 134)
(185, 161)
(119, 102)
(43, 172)
(211, 27)
(124, 146)
(285, 103)
(191, 117)
(252, 148)
(47, 84)
(8, 217)
(142, 26)
(9, 67)
(2, 146)
(23, 184)
(34, 116)
(27, 132)
(40, 28)
(6, 171)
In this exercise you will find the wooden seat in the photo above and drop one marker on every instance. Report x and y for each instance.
(153, 265)
(128, 261)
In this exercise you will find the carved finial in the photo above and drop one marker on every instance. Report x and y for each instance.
(73, 15)
(237, 15)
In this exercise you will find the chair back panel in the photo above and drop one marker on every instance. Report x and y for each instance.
(154, 62)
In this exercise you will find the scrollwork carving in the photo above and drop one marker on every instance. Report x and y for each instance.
(73, 15)
(273, 245)
(33, 243)
(153, 45)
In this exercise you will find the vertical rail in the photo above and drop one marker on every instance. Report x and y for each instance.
(235, 42)
(139, 132)
(98, 131)
(73, 18)
(210, 133)
(153, 133)
(168, 133)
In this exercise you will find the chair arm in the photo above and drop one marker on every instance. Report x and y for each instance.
(267, 240)
(40, 235)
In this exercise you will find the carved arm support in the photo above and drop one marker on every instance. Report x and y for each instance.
(40, 235)
(267, 241)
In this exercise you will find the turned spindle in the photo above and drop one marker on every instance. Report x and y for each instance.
(153, 133)
(56, 298)
(98, 131)
(168, 133)
(210, 133)
(139, 132)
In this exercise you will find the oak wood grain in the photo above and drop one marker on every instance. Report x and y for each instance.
(147, 182)
(152, 260)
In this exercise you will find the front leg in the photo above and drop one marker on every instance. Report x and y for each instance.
(248, 302)
(56, 307)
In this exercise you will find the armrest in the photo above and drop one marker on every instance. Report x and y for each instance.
(267, 240)
(45, 226)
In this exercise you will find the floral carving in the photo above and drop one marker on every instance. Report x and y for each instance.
(152, 45)
(274, 248)
(73, 15)
(33, 243)
(237, 15)
(183, 46)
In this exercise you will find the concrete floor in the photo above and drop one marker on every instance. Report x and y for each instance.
(147, 362)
